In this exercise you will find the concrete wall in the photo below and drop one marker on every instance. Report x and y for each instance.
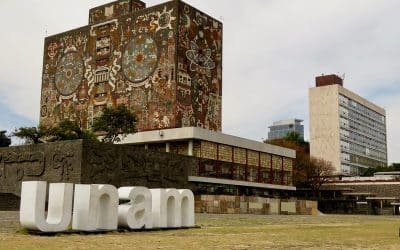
(9, 202)
(55, 162)
(225, 204)
(125, 165)
(92, 163)
(324, 124)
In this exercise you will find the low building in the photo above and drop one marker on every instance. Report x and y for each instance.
(361, 195)
(226, 164)
(280, 129)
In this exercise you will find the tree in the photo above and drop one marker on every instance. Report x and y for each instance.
(395, 166)
(320, 172)
(372, 171)
(292, 140)
(296, 137)
(5, 141)
(69, 130)
(308, 172)
(114, 123)
(32, 135)
(64, 130)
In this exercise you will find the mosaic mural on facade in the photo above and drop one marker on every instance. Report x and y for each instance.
(199, 70)
(167, 71)
(114, 9)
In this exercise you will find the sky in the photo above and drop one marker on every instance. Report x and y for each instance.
(273, 49)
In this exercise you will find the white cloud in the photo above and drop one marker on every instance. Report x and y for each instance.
(272, 52)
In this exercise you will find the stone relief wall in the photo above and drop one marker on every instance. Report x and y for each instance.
(56, 162)
(92, 163)
(125, 165)
(163, 62)
(227, 204)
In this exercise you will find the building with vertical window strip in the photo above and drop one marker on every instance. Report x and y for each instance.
(226, 163)
(346, 129)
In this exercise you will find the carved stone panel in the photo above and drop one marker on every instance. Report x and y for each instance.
(89, 162)
(127, 165)
(55, 162)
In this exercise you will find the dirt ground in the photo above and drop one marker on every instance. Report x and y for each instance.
(226, 232)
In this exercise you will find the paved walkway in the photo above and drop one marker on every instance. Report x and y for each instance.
(9, 221)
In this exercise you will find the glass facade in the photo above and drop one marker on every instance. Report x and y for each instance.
(223, 161)
(362, 137)
(221, 189)
(233, 163)
(240, 172)
(280, 129)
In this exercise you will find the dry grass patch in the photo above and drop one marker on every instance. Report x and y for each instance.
(230, 232)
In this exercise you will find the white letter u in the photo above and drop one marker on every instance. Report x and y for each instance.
(33, 199)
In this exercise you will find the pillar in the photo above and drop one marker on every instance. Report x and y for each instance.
(190, 148)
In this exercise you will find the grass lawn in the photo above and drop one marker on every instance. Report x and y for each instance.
(227, 232)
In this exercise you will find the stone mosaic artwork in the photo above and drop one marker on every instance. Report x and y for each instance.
(69, 73)
(199, 87)
(140, 58)
(114, 9)
(163, 62)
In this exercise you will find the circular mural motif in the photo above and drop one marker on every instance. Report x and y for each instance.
(140, 58)
(69, 73)
(164, 20)
(199, 57)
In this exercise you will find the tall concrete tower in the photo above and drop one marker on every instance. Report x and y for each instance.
(345, 128)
